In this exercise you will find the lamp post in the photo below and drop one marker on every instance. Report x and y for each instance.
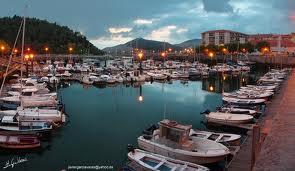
(2, 51)
(31, 57)
(211, 55)
(163, 55)
(27, 57)
(140, 56)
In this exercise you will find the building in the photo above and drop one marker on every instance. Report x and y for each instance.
(219, 37)
(278, 42)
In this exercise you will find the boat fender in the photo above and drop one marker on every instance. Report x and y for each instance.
(130, 148)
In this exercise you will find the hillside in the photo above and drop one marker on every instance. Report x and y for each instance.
(189, 43)
(41, 34)
(141, 43)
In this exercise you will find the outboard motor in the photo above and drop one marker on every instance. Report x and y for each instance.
(130, 148)
(205, 112)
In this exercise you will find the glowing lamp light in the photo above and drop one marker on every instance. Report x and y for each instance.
(140, 55)
(211, 54)
(27, 57)
(31, 56)
(170, 49)
(140, 98)
(70, 49)
(15, 50)
(46, 49)
(224, 50)
(211, 88)
(2, 48)
(224, 77)
(28, 49)
(163, 54)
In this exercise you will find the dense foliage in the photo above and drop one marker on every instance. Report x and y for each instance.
(40, 34)
(233, 47)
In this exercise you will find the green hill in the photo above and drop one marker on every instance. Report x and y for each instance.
(41, 34)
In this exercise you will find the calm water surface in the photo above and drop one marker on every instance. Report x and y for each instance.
(103, 121)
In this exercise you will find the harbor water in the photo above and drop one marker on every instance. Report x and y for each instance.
(102, 121)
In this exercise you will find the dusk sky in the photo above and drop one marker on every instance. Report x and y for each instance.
(111, 22)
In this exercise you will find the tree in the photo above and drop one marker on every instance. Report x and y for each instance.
(41, 33)
(261, 45)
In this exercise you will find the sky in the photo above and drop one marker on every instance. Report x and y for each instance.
(111, 22)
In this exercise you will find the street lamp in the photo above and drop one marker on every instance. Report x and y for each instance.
(2, 50)
(140, 56)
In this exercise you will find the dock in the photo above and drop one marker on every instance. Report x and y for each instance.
(272, 148)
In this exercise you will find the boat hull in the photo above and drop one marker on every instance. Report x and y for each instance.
(176, 154)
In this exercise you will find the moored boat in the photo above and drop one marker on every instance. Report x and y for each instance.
(154, 162)
(229, 118)
(232, 139)
(11, 141)
(173, 140)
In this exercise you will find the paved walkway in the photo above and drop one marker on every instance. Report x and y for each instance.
(278, 150)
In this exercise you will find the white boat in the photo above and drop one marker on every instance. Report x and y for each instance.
(50, 115)
(173, 140)
(66, 74)
(85, 80)
(54, 80)
(238, 111)
(154, 162)
(44, 79)
(229, 118)
(245, 94)
(231, 139)
(9, 123)
(239, 101)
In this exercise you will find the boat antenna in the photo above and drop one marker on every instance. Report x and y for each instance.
(10, 57)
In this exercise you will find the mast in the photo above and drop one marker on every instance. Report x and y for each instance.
(10, 57)
(22, 51)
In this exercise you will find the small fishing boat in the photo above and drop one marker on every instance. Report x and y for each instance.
(11, 124)
(237, 110)
(154, 162)
(173, 140)
(239, 101)
(229, 118)
(50, 115)
(231, 139)
(19, 141)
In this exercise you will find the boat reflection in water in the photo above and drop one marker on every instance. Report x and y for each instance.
(220, 83)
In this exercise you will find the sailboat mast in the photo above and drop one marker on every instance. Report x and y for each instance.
(22, 51)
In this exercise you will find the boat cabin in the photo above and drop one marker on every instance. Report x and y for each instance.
(174, 132)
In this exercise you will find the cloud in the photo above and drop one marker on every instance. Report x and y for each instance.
(181, 30)
(162, 34)
(218, 6)
(143, 22)
(119, 30)
(107, 41)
